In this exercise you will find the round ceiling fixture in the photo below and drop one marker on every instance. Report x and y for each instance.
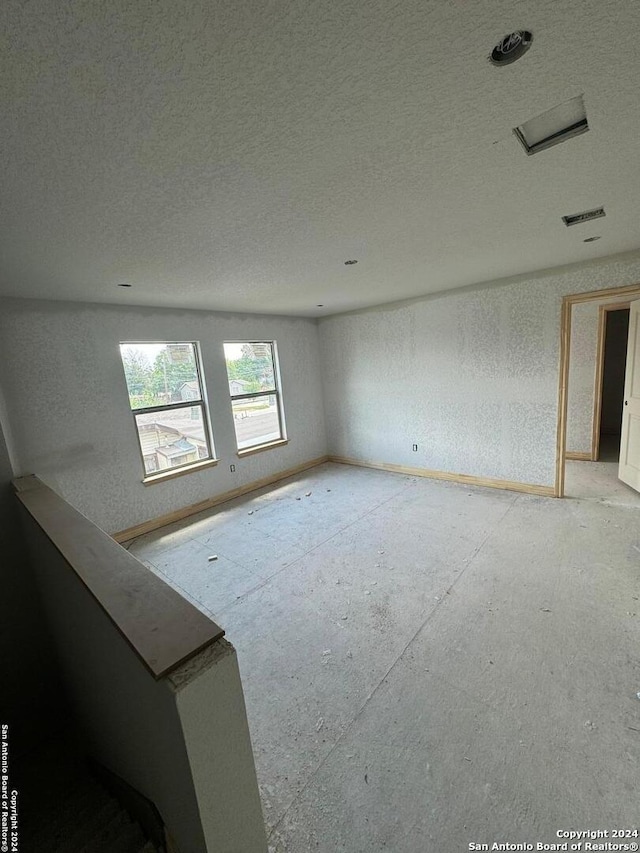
(511, 47)
(124, 285)
(319, 306)
(590, 239)
(350, 263)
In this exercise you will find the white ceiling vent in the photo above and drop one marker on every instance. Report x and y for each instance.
(586, 216)
(556, 125)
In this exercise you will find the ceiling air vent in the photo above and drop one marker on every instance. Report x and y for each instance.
(586, 216)
(556, 125)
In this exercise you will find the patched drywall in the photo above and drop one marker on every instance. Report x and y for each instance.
(582, 376)
(470, 377)
(69, 409)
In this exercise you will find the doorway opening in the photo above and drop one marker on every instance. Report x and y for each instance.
(597, 340)
(608, 415)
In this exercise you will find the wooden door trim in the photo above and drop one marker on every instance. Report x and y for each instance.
(628, 293)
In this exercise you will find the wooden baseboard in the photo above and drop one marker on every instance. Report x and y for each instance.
(466, 479)
(576, 456)
(178, 514)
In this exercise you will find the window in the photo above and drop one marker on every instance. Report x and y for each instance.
(167, 401)
(255, 395)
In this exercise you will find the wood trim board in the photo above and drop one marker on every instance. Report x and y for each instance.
(179, 514)
(161, 627)
(628, 293)
(152, 524)
(632, 291)
(466, 479)
(578, 456)
(563, 381)
(597, 390)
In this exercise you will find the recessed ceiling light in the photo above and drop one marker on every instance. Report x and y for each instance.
(511, 47)
(124, 285)
(556, 125)
(350, 263)
(590, 239)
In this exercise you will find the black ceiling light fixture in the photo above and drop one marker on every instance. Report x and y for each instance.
(590, 239)
(510, 48)
(350, 263)
(123, 284)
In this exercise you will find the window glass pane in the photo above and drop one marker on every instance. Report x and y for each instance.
(160, 374)
(250, 367)
(256, 420)
(172, 438)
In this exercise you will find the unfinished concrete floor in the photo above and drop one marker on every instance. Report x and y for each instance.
(599, 481)
(425, 664)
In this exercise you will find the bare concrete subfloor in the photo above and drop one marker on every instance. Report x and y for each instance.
(425, 664)
(599, 480)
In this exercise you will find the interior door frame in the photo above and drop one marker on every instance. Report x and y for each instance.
(627, 293)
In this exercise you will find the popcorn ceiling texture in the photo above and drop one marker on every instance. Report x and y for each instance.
(214, 152)
(67, 398)
(471, 377)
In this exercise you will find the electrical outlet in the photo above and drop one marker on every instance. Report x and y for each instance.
(415, 447)
(232, 468)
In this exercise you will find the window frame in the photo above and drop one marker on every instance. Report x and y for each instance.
(276, 391)
(202, 403)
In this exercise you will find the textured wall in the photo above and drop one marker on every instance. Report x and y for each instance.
(69, 410)
(213, 715)
(127, 720)
(471, 377)
(582, 375)
(29, 676)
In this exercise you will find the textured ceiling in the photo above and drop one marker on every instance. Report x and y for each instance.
(232, 155)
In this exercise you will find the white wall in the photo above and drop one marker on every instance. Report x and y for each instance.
(146, 730)
(33, 702)
(213, 715)
(69, 412)
(470, 376)
(582, 377)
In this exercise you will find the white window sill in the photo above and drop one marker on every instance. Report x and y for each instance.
(248, 451)
(178, 472)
